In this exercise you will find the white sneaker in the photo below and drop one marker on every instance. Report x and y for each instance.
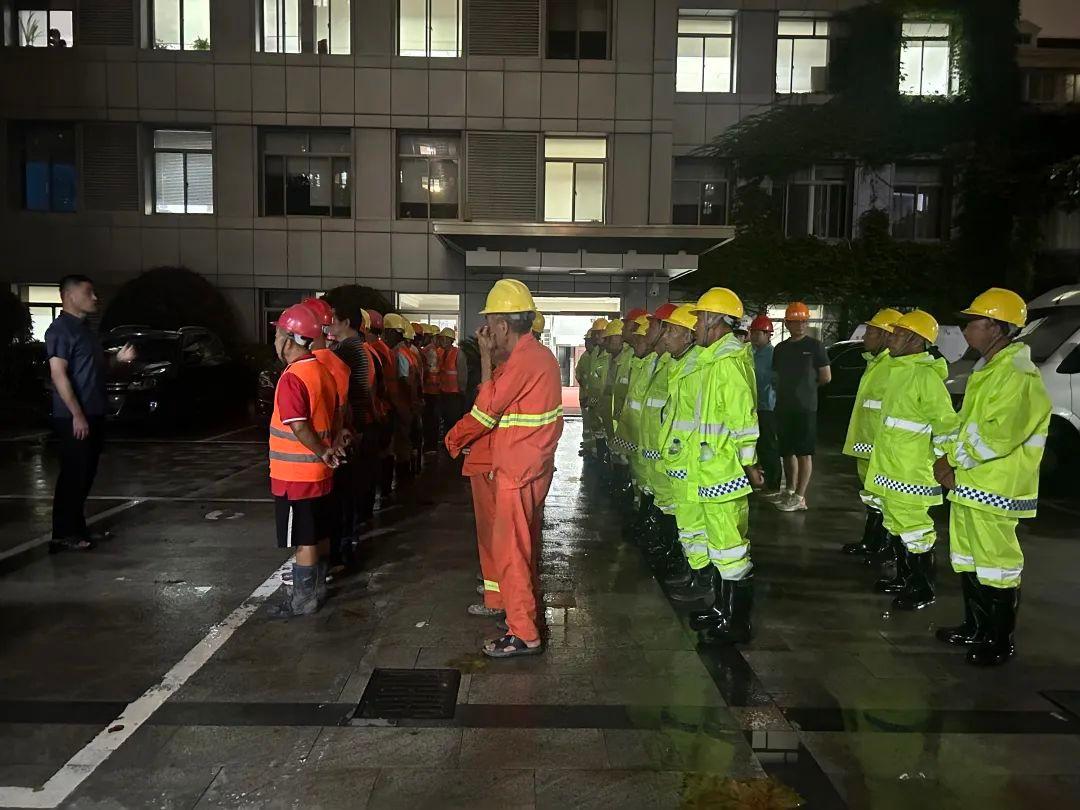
(776, 495)
(792, 503)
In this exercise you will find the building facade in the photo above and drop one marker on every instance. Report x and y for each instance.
(421, 147)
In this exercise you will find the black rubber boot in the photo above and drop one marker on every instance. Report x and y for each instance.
(738, 597)
(918, 591)
(895, 583)
(718, 613)
(976, 616)
(301, 599)
(865, 547)
(320, 581)
(674, 570)
(998, 648)
(699, 586)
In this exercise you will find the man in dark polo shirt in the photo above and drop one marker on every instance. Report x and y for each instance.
(77, 367)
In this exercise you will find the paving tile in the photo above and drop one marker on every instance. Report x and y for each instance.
(371, 747)
(424, 787)
(488, 687)
(689, 689)
(295, 785)
(532, 748)
(162, 787)
(724, 752)
(623, 789)
(218, 745)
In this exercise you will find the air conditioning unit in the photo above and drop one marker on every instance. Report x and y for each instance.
(819, 79)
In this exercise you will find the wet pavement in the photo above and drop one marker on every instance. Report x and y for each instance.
(835, 701)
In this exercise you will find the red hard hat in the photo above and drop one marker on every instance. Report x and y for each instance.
(664, 311)
(376, 319)
(762, 323)
(636, 312)
(299, 320)
(323, 311)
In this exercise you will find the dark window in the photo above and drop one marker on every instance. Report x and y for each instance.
(48, 168)
(577, 29)
(819, 202)
(428, 176)
(307, 173)
(918, 203)
(700, 192)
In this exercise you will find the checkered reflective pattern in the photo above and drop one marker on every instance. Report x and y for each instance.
(907, 489)
(618, 443)
(680, 474)
(726, 488)
(651, 455)
(862, 447)
(998, 501)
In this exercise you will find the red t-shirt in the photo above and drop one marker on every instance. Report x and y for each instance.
(291, 401)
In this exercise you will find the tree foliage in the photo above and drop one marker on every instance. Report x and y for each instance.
(14, 321)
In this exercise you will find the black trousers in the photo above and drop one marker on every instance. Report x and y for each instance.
(78, 466)
(431, 421)
(451, 409)
(768, 449)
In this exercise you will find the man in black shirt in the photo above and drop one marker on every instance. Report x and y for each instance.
(801, 365)
(77, 367)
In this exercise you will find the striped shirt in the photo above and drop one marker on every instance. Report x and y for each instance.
(352, 351)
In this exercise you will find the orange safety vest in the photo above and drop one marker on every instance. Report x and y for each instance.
(431, 369)
(338, 369)
(448, 377)
(389, 368)
(377, 382)
(289, 459)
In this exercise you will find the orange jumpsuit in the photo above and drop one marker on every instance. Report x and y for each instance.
(477, 467)
(521, 408)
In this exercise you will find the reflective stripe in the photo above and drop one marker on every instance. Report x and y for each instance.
(695, 548)
(633, 404)
(980, 449)
(530, 419)
(872, 404)
(745, 433)
(1002, 502)
(288, 435)
(746, 454)
(302, 458)
(907, 489)
(624, 380)
(905, 424)
(961, 559)
(684, 424)
(483, 418)
(733, 553)
(711, 429)
(655, 403)
(1002, 575)
(915, 535)
(736, 571)
(491, 586)
(690, 535)
(966, 461)
(1036, 441)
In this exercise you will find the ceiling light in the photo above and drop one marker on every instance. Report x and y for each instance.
(578, 272)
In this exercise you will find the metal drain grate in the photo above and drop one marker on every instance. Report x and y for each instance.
(402, 694)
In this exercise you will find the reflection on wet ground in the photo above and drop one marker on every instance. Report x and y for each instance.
(835, 703)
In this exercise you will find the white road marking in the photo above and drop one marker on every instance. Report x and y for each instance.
(79, 768)
(228, 433)
(45, 538)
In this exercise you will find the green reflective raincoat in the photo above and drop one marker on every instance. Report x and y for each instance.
(619, 383)
(582, 374)
(653, 399)
(598, 403)
(628, 432)
(866, 414)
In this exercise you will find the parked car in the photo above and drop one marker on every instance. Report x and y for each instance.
(178, 375)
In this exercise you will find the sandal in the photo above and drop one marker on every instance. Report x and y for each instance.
(517, 647)
(483, 610)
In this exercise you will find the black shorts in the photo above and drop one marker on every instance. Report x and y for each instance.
(304, 522)
(796, 432)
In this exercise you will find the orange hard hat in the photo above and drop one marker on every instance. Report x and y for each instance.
(634, 314)
(762, 323)
(301, 321)
(664, 311)
(323, 311)
(797, 311)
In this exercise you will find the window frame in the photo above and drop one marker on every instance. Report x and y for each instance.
(827, 37)
(305, 35)
(577, 33)
(401, 157)
(943, 218)
(155, 151)
(922, 40)
(151, 9)
(574, 161)
(732, 38)
(48, 7)
(814, 184)
(331, 156)
(700, 183)
(22, 131)
(460, 51)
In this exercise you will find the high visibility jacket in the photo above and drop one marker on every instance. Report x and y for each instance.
(414, 381)
(389, 367)
(598, 374)
(581, 370)
(628, 433)
(339, 371)
(620, 382)
(377, 382)
(431, 356)
(653, 399)
(289, 459)
(866, 413)
(1000, 435)
(521, 406)
(916, 419)
(680, 417)
(448, 371)
(727, 429)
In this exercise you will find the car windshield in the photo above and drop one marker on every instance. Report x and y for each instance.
(1047, 329)
(149, 349)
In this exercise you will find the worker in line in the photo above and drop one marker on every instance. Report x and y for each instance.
(416, 381)
(619, 383)
(590, 431)
(520, 403)
(678, 440)
(388, 364)
(379, 429)
(916, 418)
(639, 522)
(991, 469)
(431, 356)
(406, 393)
(453, 377)
(760, 336)
(304, 451)
(723, 464)
(599, 392)
(613, 349)
(864, 425)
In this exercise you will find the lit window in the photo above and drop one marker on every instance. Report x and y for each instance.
(801, 46)
(44, 24)
(819, 202)
(47, 156)
(44, 305)
(926, 63)
(706, 50)
(577, 29)
(183, 172)
(429, 28)
(306, 26)
(428, 176)
(574, 179)
(307, 173)
(918, 196)
(699, 192)
(181, 25)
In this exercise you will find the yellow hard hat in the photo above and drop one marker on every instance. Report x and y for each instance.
(1001, 305)
(395, 321)
(538, 322)
(599, 325)
(448, 332)
(614, 328)
(365, 319)
(410, 331)
(921, 323)
(642, 322)
(431, 329)
(720, 300)
(683, 316)
(508, 295)
(885, 318)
